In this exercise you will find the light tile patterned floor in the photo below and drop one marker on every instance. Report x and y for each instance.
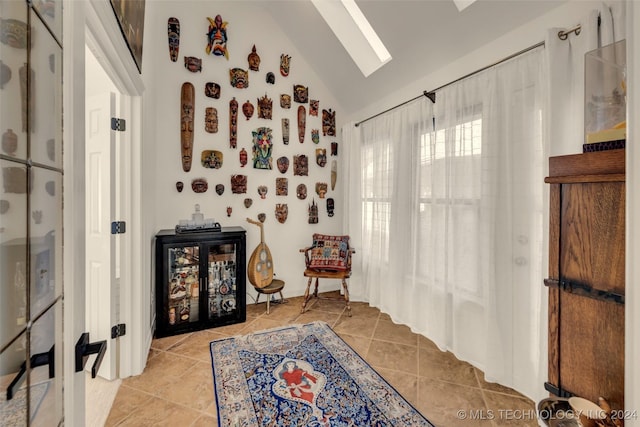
(176, 387)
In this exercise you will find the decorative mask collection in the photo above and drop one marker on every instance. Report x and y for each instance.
(262, 149)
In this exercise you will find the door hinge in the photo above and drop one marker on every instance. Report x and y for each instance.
(118, 330)
(118, 124)
(118, 227)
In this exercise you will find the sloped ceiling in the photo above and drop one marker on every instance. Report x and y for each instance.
(421, 35)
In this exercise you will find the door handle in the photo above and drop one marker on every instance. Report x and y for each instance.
(39, 359)
(84, 349)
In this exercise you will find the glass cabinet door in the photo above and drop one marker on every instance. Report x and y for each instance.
(183, 285)
(221, 282)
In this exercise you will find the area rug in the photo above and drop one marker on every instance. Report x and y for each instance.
(14, 412)
(302, 375)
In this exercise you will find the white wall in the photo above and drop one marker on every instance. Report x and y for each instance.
(248, 24)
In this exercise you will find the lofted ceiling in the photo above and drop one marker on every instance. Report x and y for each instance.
(421, 35)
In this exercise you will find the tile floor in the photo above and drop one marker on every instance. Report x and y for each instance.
(176, 387)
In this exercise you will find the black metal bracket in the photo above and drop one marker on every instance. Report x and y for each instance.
(584, 290)
(118, 124)
(39, 359)
(558, 391)
(84, 349)
(118, 227)
(118, 330)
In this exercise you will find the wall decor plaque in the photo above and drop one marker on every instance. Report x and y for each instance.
(282, 212)
(217, 37)
(285, 131)
(271, 78)
(313, 212)
(193, 64)
(199, 185)
(211, 159)
(285, 62)
(321, 157)
(173, 31)
(321, 189)
(334, 174)
(212, 90)
(285, 101)
(283, 164)
(247, 109)
(239, 78)
(313, 107)
(238, 184)
(187, 100)
(301, 191)
(300, 94)
(211, 120)
(301, 165)
(262, 148)
(243, 157)
(265, 107)
(329, 122)
(282, 187)
(233, 123)
(302, 123)
(254, 59)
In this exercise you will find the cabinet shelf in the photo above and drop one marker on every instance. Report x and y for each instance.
(200, 280)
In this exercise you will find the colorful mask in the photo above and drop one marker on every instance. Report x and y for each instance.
(321, 156)
(283, 164)
(300, 94)
(211, 120)
(239, 78)
(301, 191)
(282, 186)
(247, 109)
(217, 37)
(285, 100)
(313, 107)
(301, 165)
(199, 185)
(238, 184)
(262, 147)
(284, 64)
(329, 122)
(212, 90)
(254, 60)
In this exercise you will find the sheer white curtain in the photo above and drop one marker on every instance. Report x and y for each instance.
(446, 208)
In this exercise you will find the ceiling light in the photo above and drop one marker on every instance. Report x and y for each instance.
(463, 4)
(351, 27)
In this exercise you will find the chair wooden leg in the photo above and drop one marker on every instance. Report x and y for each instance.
(315, 292)
(346, 296)
(306, 295)
(258, 297)
(268, 299)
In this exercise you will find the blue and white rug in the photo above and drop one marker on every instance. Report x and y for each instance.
(302, 375)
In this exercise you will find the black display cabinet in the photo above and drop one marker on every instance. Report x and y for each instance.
(200, 280)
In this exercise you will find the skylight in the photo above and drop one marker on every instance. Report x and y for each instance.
(358, 37)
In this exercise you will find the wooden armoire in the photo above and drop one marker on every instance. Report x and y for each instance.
(587, 276)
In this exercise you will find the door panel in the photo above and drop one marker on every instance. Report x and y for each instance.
(101, 280)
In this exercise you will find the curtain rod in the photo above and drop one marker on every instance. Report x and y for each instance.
(432, 94)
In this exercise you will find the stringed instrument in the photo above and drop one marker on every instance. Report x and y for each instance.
(260, 266)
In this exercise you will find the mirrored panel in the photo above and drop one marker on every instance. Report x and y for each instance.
(13, 390)
(13, 57)
(46, 376)
(46, 232)
(51, 13)
(45, 96)
(13, 249)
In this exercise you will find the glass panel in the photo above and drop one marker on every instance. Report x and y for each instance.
(13, 56)
(184, 280)
(46, 380)
(51, 12)
(14, 410)
(46, 97)
(13, 249)
(222, 280)
(46, 229)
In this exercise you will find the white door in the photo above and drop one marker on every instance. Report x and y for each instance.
(101, 195)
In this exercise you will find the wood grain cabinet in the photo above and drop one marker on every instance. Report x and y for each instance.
(586, 276)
